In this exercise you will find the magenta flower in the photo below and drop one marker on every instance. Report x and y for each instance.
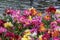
(15, 13)
(53, 24)
(56, 38)
(22, 19)
(2, 30)
(58, 20)
(36, 21)
(27, 22)
(57, 16)
(26, 12)
(57, 28)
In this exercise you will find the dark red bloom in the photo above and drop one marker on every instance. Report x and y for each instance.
(8, 11)
(46, 36)
(51, 9)
(9, 34)
(2, 22)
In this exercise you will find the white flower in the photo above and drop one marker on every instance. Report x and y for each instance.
(34, 34)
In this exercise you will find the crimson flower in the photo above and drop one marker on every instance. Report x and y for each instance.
(2, 22)
(9, 34)
(51, 9)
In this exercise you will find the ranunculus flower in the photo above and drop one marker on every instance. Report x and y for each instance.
(47, 17)
(27, 22)
(42, 28)
(9, 34)
(55, 38)
(26, 38)
(2, 22)
(22, 19)
(26, 12)
(30, 18)
(27, 32)
(33, 11)
(57, 16)
(58, 20)
(46, 36)
(40, 37)
(53, 24)
(36, 20)
(51, 9)
(2, 30)
(33, 32)
(57, 28)
(8, 24)
(55, 33)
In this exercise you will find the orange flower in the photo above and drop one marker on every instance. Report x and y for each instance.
(42, 28)
(39, 14)
(33, 11)
(40, 37)
(47, 17)
(55, 34)
(42, 24)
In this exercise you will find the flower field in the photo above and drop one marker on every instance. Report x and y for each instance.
(30, 24)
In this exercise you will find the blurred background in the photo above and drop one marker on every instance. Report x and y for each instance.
(40, 5)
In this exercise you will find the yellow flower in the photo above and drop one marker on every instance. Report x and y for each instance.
(39, 14)
(8, 24)
(25, 37)
(30, 17)
(27, 32)
(40, 37)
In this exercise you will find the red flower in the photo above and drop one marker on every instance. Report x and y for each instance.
(8, 11)
(51, 9)
(46, 36)
(12, 36)
(2, 22)
(9, 34)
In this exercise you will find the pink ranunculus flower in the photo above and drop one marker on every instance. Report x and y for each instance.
(3, 30)
(27, 22)
(58, 20)
(22, 19)
(15, 13)
(56, 38)
(57, 28)
(53, 24)
(57, 16)
(26, 12)
(36, 20)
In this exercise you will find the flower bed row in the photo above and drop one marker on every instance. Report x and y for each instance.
(30, 24)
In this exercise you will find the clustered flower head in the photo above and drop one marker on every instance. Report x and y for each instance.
(30, 24)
